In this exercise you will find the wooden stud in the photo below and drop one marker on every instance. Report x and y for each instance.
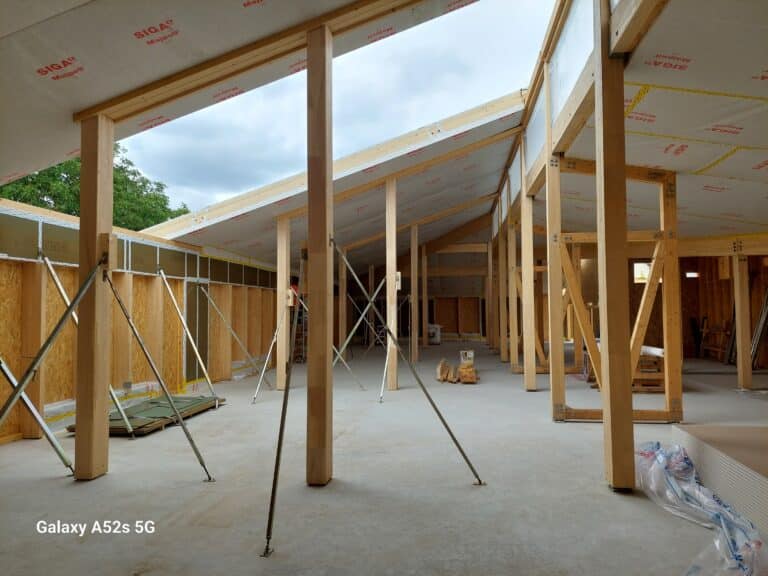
(33, 334)
(512, 279)
(122, 338)
(554, 266)
(489, 336)
(94, 334)
(612, 258)
(578, 337)
(743, 322)
(671, 306)
(320, 273)
(414, 293)
(527, 282)
(424, 298)
(502, 290)
(255, 320)
(391, 257)
(283, 302)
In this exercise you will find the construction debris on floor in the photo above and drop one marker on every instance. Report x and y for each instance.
(465, 373)
(155, 414)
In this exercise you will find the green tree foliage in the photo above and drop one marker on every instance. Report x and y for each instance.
(138, 201)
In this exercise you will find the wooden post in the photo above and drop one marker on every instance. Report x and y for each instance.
(527, 280)
(283, 301)
(495, 293)
(320, 261)
(33, 333)
(122, 338)
(503, 318)
(414, 293)
(391, 256)
(743, 321)
(342, 303)
(424, 298)
(554, 266)
(671, 307)
(489, 295)
(94, 334)
(612, 262)
(514, 340)
(578, 336)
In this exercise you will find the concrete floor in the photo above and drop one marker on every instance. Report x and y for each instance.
(401, 502)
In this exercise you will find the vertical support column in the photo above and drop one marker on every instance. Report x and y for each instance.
(94, 334)
(514, 341)
(527, 280)
(554, 267)
(503, 326)
(612, 262)
(578, 337)
(424, 298)
(743, 321)
(391, 249)
(283, 301)
(414, 293)
(489, 295)
(343, 303)
(33, 334)
(320, 264)
(122, 338)
(495, 294)
(671, 311)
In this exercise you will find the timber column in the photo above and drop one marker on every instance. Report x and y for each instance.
(94, 333)
(320, 261)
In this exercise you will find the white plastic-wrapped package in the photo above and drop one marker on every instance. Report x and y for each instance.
(669, 478)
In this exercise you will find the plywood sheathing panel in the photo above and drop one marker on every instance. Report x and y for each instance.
(268, 320)
(10, 338)
(61, 361)
(239, 320)
(122, 337)
(255, 319)
(219, 337)
(148, 315)
(173, 338)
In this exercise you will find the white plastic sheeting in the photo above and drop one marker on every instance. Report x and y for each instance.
(515, 176)
(535, 132)
(669, 478)
(571, 54)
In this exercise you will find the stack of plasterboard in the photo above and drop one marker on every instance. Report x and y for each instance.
(732, 461)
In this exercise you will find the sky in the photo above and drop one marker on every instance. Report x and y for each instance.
(438, 69)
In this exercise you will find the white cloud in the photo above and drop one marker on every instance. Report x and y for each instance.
(426, 73)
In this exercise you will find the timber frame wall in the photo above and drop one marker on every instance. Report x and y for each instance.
(245, 294)
(599, 89)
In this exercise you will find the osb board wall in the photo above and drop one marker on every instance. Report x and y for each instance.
(255, 347)
(122, 337)
(469, 315)
(173, 337)
(268, 323)
(148, 316)
(61, 362)
(219, 338)
(447, 314)
(239, 320)
(10, 337)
